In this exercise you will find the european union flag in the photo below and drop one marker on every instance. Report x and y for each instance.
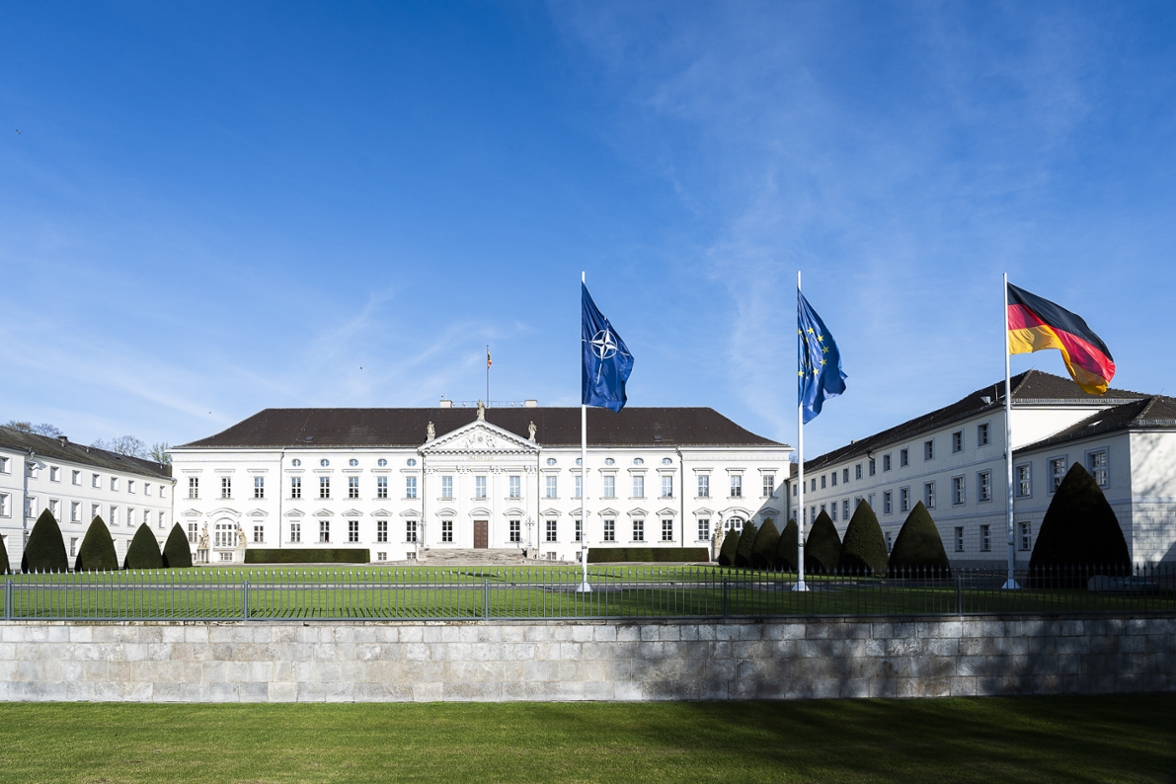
(607, 361)
(820, 373)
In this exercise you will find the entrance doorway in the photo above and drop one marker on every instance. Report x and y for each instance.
(481, 534)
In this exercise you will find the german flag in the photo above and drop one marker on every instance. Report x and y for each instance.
(1036, 324)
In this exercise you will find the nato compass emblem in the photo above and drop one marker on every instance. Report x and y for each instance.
(604, 345)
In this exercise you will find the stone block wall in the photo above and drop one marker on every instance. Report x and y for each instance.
(261, 661)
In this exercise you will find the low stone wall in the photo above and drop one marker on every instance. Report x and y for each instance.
(607, 660)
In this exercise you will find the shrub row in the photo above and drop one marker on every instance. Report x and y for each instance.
(45, 550)
(345, 555)
(648, 554)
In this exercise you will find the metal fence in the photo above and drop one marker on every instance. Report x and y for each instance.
(524, 593)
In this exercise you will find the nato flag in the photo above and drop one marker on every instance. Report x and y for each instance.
(607, 361)
(820, 373)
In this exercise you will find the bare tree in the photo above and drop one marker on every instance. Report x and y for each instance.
(159, 453)
(43, 429)
(124, 445)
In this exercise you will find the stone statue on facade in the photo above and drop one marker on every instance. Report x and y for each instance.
(481, 411)
(202, 541)
(430, 432)
(531, 431)
(241, 537)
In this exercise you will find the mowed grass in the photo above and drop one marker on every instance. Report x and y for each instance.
(1043, 739)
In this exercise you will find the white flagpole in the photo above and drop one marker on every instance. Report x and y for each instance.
(1011, 582)
(584, 586)
(800, 586)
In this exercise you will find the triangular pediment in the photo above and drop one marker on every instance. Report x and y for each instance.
(667, 512)
(381, 513)
(324, 513)
(192, 513)
(293, 513)
(259, 513)
(353, 513)
(479, 436)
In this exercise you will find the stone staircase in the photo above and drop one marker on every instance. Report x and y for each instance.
(471, 557)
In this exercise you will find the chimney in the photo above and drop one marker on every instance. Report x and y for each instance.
(531, 404)
(446, 403)
(63, 439)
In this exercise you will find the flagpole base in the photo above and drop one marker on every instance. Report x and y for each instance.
(1011, 585)
(584, 587)
(800, 586)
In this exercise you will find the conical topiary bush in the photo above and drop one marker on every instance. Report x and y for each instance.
(144, 551)
(45, 551)
(918, 550)
(730, 545)
(786, 548)
(863, 550)
(5, 568)
(746, 543)
(1080, 535)
(176, 552)
(822, 550)
(97, 551)
(763, 551)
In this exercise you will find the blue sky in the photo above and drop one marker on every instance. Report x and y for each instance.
(215, 208)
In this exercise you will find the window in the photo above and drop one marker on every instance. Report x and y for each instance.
(957, 441)
(447, 531)
(609, 461)
(638, 530)
(410, 531)
(163, 491)
(95, 510)
(410, 462)
(5, 466)
(857, 471)
(552, 531)
(1026, 536)
(114, 515)
(667, 530)
(551, 486)
(479, 487)
(904, 499)
(226, 487)
(889, 542)
(259, 487)
(957, 491)
(381, 530)
(904, 458)
(929, 495)
(55, 474)
(259, 534)
(578, 490)
(832, 512)
(985, 539)
(225, 535)
(193, 485)
(813, 484)
(929, 450)
(704, 485)
(382, 488)
(352, 530)
(984, 486)
(381, 462)
(873, 467)
(1057, 472)
(610, 530)
(324, 487)
(1097, 462)
(667, 461)
(845, 476)
(769, 485)
(887, 502)
(551, 461)
(638, 461)
(353, 462)
(295, 533)
(382, 555)
(353, 487)
(146, 488)
(982, 434)
(579, 531)
(885, 462)
(845, 509)
(295, 462)
(516, 485)
(55, 508)
(959, 539)
(736, 485)
(324, 462)
(823, 480)
(75, 512)
(324, 531)
(703, 529)
(410, 487)
(130, 485)
(610, 486)
(638, 485)
(516, 531)
(5, 505)
(667, 487)
(162, 520)
(295, 487)
(1024, 481)
(447, 488)
(76, 478)
(193, 533)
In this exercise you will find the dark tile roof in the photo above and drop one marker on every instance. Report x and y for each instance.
(56, 448)
(1150, 412)
(1032, 387)
(335, 427)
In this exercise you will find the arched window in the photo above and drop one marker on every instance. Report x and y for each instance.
(226, 535)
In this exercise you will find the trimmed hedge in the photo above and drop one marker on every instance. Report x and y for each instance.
(648, 554)
(4, 566)
(746, 543)
(97, 551)
(786, 548)
(309, 555)
(144, 551)
(763, 551)
(729, 548)
(919, 547)
(1080, 535)
(45, 551)
(176, 552)
(864, 547)
(822, 551)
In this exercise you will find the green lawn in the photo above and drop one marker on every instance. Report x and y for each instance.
(1063, 739)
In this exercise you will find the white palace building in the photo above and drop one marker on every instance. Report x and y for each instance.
(407, 482)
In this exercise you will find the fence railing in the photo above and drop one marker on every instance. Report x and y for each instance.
(617, 592)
